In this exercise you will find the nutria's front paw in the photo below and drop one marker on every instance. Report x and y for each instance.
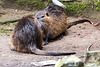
(46, 43)
(12, 49)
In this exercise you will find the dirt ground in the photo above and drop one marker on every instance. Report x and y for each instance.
(78, 39)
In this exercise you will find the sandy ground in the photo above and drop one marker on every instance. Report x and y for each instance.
(77, 40)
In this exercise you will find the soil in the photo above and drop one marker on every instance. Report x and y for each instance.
(78, 39)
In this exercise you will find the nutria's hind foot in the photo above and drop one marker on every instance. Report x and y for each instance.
(46, 43)
(12, 49)
(59, 37)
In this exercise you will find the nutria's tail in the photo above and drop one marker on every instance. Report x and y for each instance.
(41, 52)
(78, 22)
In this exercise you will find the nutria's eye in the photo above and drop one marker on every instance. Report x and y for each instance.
(37, 18)
(42, 16)
(47, 14)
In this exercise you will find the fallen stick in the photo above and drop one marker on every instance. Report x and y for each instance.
(9, 21)
(88, 49)
(44, 63)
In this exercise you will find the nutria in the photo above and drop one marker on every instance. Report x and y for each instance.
(53, 21)
(27, 37)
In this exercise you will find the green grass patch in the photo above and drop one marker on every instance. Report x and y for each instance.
(38, 4)
(76, 8)
(4, 31)
(2, 14)
(98, 6)
(7, 28)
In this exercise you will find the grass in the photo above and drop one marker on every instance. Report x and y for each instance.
(4, 31)
(7, 28)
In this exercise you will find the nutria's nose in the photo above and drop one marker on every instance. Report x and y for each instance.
(37, 17)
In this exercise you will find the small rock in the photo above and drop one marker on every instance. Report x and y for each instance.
(16, 10)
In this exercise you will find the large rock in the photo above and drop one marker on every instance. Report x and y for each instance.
(92, 57)
(72, 61)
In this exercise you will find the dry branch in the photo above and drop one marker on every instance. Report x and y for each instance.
(9, 21)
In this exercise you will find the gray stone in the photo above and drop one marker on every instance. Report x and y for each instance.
(72, 61)
(92, 57)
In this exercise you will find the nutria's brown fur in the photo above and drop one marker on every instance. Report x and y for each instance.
(48, 24)
(27, 37)
(53, 21)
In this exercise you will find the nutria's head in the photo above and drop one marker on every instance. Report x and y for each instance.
(42, 15)
(43, 18)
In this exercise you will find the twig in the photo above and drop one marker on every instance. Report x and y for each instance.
(11, 21)
(88, 49)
